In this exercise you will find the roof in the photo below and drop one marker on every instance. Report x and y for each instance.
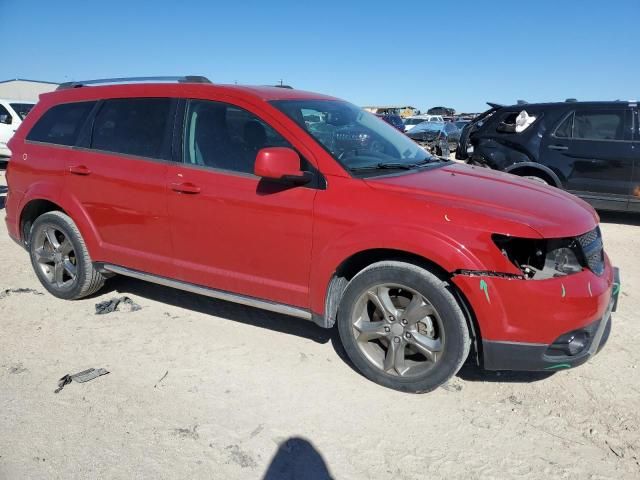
(524, 106)
(183, 90)
(28, 80)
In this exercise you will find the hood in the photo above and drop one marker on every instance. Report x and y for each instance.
(549, 211)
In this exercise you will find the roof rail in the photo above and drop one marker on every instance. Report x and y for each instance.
(178, 79)
(571, 100)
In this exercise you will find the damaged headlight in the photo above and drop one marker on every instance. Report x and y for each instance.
(544, 258)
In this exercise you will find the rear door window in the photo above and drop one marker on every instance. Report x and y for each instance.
(599, 125)
(135, 126)
(61, 125)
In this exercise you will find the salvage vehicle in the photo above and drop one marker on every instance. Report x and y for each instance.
(394, 120)
(438, 137)
(411, 122)
(306, 205)
(12, 113)
(591, 149)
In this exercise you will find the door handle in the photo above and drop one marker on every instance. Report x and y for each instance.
(79, 170)
(186, 187)
(558, 147)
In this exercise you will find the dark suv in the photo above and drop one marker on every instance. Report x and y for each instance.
(591, 149)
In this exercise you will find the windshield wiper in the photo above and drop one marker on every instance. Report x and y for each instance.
(391, 166)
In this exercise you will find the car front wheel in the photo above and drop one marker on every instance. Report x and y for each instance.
(402, 327)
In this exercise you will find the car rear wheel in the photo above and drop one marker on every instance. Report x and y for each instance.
(402, 327)
(60, 258)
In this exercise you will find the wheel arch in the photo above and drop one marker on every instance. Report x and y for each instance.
(46, 198)
(532, 168)
(31, 211)
(358, 261)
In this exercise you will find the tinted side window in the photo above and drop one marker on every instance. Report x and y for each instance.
(219, 135)
(134, 126)
(61, 124)
(599, 125)
(5, 116)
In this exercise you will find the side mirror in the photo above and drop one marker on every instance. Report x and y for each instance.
(5, 119)
(280, 163)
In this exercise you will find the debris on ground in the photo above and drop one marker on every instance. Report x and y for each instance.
(11, 291)
(121, 304)
(80, 377)
(163, 377)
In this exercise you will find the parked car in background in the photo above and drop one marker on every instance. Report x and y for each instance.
(591, 149)
(446, 111)
(439, 137)
(411, 122)
(259, 195)
(461, 124)
(393, 120)
(12, 112)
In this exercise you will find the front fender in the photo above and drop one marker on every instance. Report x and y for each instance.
(431, 245)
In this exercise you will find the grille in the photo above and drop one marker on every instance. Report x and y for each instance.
(591, 244)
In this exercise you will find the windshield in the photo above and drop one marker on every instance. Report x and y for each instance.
(355, 138)
(22, 109)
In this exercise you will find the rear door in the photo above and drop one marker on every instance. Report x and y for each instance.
(117, 173)
(593, 148)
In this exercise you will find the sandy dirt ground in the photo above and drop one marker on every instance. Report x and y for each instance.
(201, 388)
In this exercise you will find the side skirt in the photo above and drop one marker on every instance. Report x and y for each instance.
(210, 292)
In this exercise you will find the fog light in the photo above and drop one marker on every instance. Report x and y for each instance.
(571, 343)
(576, 343)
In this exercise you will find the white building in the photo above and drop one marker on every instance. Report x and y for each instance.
(21, 89)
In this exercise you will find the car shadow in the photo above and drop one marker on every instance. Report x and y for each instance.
(219, 308)
(297, 458)
(620, 218)
(283, 324)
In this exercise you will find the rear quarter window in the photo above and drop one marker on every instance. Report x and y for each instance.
(61, 125)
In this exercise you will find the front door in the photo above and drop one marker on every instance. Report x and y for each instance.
(119, 177)
(595, 150)
(231, 230)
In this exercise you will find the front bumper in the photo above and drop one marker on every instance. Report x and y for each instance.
(504, 355)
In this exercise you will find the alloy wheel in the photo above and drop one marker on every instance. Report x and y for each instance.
(55, 257)
(398, 330)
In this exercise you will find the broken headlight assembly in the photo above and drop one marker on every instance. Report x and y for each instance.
(540, 259)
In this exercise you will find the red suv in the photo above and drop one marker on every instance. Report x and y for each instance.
(306, 205)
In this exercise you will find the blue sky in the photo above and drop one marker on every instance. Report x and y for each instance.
(423, 53)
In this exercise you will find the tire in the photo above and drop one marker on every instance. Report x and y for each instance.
(402, 352)
(60, 258)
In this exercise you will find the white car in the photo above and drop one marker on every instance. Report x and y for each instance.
(12, 112)
(411, 122)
